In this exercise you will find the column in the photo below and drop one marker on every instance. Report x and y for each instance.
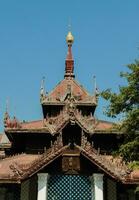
(98, 186)
(42, 186)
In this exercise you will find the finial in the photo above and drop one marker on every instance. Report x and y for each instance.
(69, 63)
(70, 39)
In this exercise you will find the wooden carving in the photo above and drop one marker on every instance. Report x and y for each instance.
(71, 164)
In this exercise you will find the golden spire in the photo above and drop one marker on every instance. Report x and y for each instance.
(69, 62)
(70, 38)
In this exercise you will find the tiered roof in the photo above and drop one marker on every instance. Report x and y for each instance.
(61, 91)
(70, 95)
(54, 125)
(17, 168)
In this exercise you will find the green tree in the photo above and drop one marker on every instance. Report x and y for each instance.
(126, 104)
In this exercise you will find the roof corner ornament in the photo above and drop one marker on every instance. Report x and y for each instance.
(16, 170)
(6, 119)
(96, 91)
(6, 115)
(42, 90)
(11, 123)
(8, 122)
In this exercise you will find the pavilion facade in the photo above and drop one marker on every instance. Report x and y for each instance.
(66, 155)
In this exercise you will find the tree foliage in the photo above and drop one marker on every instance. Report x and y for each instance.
(126, 104)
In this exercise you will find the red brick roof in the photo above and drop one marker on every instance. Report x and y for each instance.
(58, 94)
(54, 124)
(114, 167)
(16, 168)
(33, 124)
(20, 167)
(7, 165)
(103, 125)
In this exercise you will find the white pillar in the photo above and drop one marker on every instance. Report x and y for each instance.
(98, 186)
(42, 186)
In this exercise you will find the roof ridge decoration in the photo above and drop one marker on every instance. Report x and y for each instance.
(22, 172)
(11, 123)
(70, 115)
(115, 167)
(59, 93)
